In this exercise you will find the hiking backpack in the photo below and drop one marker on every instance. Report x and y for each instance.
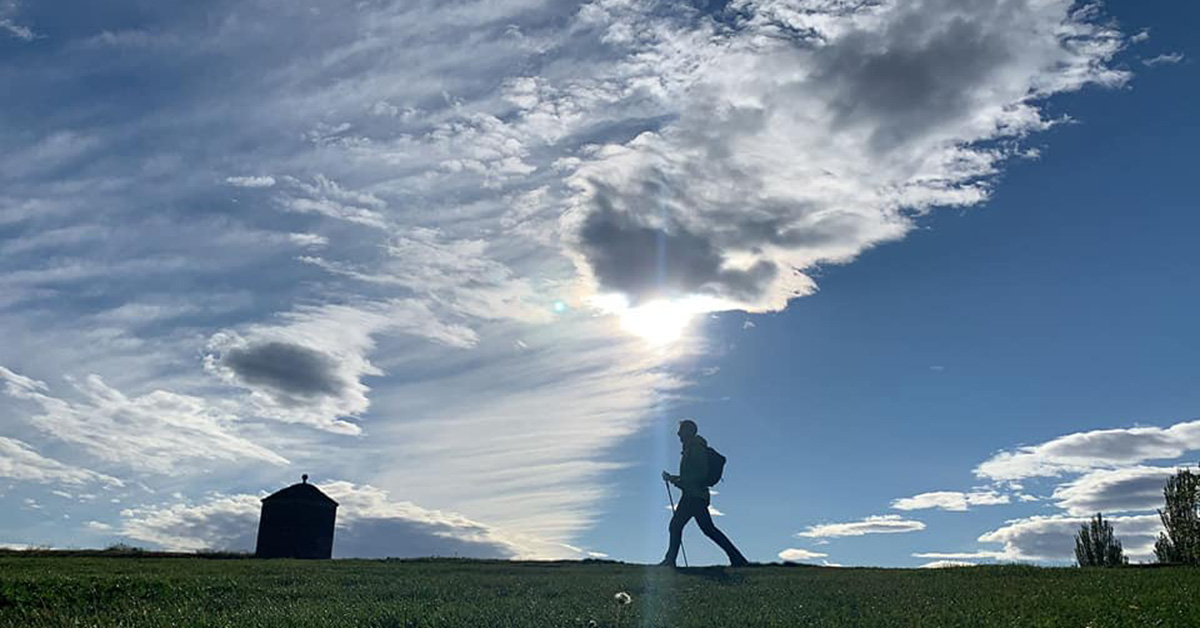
(716, 466)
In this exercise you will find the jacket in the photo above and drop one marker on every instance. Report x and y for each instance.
(693, 469)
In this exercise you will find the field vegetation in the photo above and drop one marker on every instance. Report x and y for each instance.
(106, 591)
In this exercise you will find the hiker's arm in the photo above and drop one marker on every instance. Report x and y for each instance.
(673, 479)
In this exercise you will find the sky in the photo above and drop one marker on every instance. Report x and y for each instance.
(923, 271)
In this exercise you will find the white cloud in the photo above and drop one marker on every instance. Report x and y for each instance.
(794, 150)
(159, 432)
(451, 201)
(326, 197)
(1164, 59)
(977, 555)
(8, 9)
(944, 564)
(309, 240)
(1114, 490)
(1097, 449)
(369, 525)
(309, 369)
(1052, 538)
(19, 461)
(541, 438)
(1140, 36)
(251, 182)
(950, 500)
(878, 524)
(792, 555)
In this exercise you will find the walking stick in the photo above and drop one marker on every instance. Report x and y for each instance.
(672, 498)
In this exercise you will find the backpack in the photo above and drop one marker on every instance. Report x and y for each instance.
(716, 466)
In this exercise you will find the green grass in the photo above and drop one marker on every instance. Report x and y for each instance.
(154, 591)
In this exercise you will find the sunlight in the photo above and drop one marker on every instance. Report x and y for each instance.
(659, 322)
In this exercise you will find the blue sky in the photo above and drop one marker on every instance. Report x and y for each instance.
(921, 270)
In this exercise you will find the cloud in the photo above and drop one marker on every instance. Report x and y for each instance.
(309, 240)
(1053, 537)
(290, 369)
(309, 369)
(541, 423)
(792, 555)
(878, 524)
(1114, 490)
(8, 9)
(159, 432)
(807, 137)
(326, 197)
(1140, 36)
(369, 525)
(19, 461)
(945, 564)
(455, 274)
(1097, 449)
(1164, 59)
(251, 182)
(450, 201)
(950, 500)
(981, 554)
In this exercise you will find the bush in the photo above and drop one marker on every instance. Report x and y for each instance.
(1097, 546)
(1180, 543)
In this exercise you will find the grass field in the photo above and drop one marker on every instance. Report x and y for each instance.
(244, 593)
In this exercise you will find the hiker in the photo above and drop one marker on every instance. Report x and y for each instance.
(694, 480)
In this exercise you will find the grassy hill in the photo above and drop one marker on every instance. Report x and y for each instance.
(176, 591)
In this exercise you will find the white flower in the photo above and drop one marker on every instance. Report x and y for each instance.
(622, 598)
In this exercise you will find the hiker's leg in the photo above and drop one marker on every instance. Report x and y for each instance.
(704, 520)
(678, 520)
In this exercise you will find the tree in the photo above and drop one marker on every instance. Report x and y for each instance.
(1097, 546)
(1180, 543)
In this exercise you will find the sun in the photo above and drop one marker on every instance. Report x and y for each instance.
(658, 322)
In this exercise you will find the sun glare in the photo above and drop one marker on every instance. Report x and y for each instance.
(659, 322)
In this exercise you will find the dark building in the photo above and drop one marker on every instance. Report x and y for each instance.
(297, 522)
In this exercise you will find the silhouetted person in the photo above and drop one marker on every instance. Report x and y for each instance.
(693, 481)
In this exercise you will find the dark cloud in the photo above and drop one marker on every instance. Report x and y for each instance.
(920, 72)
(406, 538)
(645, 262)
(287, 368)
(1116, 490)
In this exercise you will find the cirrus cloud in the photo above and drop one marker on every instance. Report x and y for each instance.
(876, 524)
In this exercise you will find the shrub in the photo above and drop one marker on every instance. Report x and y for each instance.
(1180, 543)
(1097, 546)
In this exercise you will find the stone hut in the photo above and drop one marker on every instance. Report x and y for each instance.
(297, 522)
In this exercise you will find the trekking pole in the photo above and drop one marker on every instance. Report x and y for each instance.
(672, 498)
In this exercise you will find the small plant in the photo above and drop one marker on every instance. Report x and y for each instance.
(623, 599)
(1097, 546)
(1180, 543)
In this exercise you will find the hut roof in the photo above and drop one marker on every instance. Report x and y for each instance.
(301, 492)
